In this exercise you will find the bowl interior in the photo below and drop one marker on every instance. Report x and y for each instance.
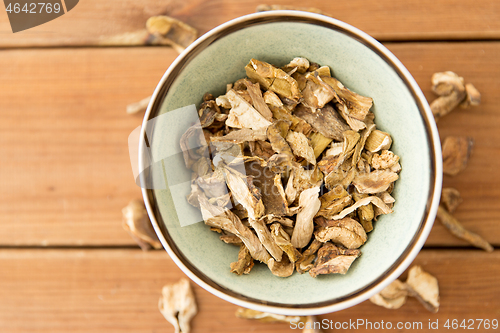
(360, 69)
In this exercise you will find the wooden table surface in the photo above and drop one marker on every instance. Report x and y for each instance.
(66, 264)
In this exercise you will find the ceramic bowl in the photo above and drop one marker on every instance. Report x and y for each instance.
(363, 65)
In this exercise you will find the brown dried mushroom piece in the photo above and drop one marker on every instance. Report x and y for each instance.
(301, 146)
(245, 262)
(244, 192)
(283, 268)
(456, 153)
(357, 106)
(267, 317)
(316, 92)
(178, 305)
(450, 198)
(392, 297)
(333, 260)
(305, 263)
(258, 100)
(136, 223)
(473, 96)
(376, 201)
(424, 287)
(456, 229)
(346, 231)
(282, 239)
(325, 121)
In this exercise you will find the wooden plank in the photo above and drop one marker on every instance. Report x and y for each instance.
(117, 291)
(479, 184)
(384, 19)
(65, 171)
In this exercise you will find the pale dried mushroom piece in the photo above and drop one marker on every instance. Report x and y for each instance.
(375, 181)
(376, 201)
(282, 239)
(178, 305)
(242, 135)
(385, 160)
(283, 268)
(316, 93)
(456, 153)
(451, 89)
(298, 64)
(357, 105)
(140, 106)
(378, 140)
(179, 33)
(456, 229)
(267, 317)
(245, 262)
(424, 287)
(272, 99)
(450, 198)
(473, 96)
(277, 141)
(136, 223)
(300, 146)
(260, 228)
(333, 259)
(391, 297)
(304, 226)
(242, 114)
(274, 79)
(346, 231)
(245, 193)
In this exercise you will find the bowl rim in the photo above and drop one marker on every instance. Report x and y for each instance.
(411, 251)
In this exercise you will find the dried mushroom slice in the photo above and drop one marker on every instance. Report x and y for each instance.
(213, 184)
(273, 79)
(357, 106)
(277, 141)
(392, 297)
(300, 146)
(136, 223)
(334, 201)
(178, 305)
(301, 179)
(333, 260)
(319, 142)
(270, 187)
(456, 153)
(272, 99)
(385, 160)
(358, 150)
(456, 229)
(316, 92)
(242, 135)
(451, 89)
(261, 148)
(242, 114)
(266, 317)
(245, 262)
(260, 228)
(282, 239)
(365, 213)
(283, 268)
(375, 181)
(230, 238)
(305, 262)
(325, 121)
(258, 100)
(190, 157)
(226, 220)
(378, 140)
(309, 205)
(473, 96)
(346, 231)
(298, 64)
(450, 198)
(243, 190)
(376, 201)
(181, 34)
(424, 287)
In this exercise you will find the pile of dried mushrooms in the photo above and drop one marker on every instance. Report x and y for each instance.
(291, 168)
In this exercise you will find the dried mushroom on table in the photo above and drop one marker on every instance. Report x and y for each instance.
(298, 171)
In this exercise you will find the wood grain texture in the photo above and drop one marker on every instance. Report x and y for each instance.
(118, 290)
(65, 170)
(384, 19)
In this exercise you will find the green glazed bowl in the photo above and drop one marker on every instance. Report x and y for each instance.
(360, 63)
